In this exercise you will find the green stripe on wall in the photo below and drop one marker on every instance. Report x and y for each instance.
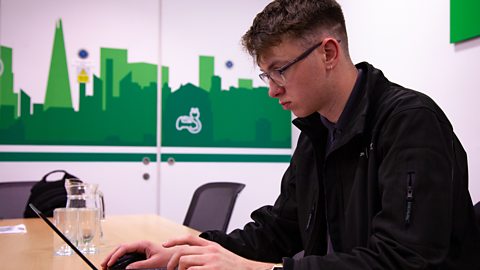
(225, 158)
(83, 157)
(135, 157)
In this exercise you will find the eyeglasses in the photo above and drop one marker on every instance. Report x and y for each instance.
(277, 75)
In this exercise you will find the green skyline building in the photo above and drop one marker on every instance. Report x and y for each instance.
(25, 104)
(115, 66)
(206, 68)
(112, 68)
(245, 83)
(58, 94)
(165, 75)
(8, 99)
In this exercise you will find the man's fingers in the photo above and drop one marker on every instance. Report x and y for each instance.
(188, 246)
(191, 261)
(186, 240)
(122, 250)
(107, 258)
(149, 263)
(113, 256)
(182, 252)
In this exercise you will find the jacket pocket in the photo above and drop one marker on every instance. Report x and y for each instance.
(409, 198)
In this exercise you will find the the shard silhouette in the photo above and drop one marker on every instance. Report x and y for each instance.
(58, 93)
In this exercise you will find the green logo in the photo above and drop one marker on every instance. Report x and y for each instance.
(190, 122)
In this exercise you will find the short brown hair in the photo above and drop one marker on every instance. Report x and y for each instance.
(298, 19)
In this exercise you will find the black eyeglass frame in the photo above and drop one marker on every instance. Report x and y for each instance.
(266, 77)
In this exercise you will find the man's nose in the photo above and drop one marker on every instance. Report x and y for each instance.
(275, 90)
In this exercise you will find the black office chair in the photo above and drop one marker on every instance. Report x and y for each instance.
(212, 205)
(13, 198)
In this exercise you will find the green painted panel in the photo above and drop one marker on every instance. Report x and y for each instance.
(464, 20)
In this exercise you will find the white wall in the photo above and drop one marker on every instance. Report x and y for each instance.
(409, 41)
(122, 183)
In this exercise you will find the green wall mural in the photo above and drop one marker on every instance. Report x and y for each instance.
(122, 108)
(464, 20)
(121, 112)
(209, 116)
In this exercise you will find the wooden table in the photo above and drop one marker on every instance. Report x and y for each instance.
(34, 249)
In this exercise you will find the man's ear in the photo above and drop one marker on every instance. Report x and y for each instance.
(332, 50)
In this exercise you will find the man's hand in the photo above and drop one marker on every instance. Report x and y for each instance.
(157, 255)
(195, 253)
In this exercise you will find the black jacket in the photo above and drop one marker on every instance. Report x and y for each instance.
(392, 191)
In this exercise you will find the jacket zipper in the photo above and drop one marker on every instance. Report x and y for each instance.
(410, 198)
(310, 216)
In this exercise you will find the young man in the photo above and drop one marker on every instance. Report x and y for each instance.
(378, 179)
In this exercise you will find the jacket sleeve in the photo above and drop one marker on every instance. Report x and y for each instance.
(272, 234)
(416, 168)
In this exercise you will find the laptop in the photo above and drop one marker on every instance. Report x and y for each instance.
(66, 240)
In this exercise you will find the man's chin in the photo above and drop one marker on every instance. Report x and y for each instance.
(301, 114)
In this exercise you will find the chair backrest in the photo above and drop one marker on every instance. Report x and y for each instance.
(212, 205)
(13, 198)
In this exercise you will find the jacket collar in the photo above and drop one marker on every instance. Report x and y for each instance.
(357, 118)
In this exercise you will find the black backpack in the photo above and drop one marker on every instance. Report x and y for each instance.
(48, 195)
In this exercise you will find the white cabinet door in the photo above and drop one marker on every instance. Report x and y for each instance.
(122, 183)
(179, 181)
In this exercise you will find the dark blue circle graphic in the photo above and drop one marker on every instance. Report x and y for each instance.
(229, 64)
(83, 54)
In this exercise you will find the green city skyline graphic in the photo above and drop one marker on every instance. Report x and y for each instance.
(122, 110)
(209, 116)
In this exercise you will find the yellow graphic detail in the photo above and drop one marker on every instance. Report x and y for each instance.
(83, 77)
